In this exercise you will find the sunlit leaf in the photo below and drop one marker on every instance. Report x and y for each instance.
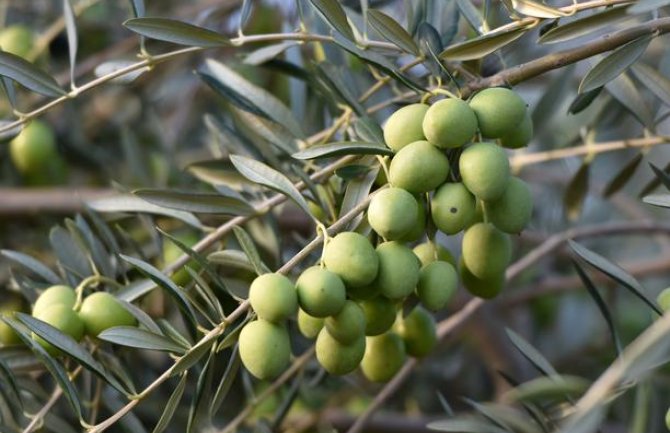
(132, 336)
(130, 203)
(483, 45)
(71, 30)
(535, 9)
(614, 64)
(250, 250)
(393, 32)
(584, 26)
(343, 148)
(333, 14)
(196, 202)
(177, 32)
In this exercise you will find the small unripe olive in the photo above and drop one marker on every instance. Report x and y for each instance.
(336, 357)
(55, 295)
(380, 314)
(449, 123)
(404, 126)
(62, 318)
(438, 282)
(8, 336)
(101, 310)
(512, 211)
(384, 356)
(265, 349)
(418, 167)
(398, 270)
(499, 111)
(429, 251)
(351, 256)
(347, 325)
(663, 299)
(485, 170)
(171, 252)
(419, 227)
(418, 332)
(667, 419)
(17, 39)
(392, 213)
(520, 136)
(34, 149)
(486, 288)
(486, 250)
(273, 297)
(452, 208)
(309, 326)
(321, 293)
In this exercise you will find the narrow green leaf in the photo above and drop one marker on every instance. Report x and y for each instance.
(505, 416)
(531, 354)
(353, 171)
(10, 90)
(7, 375)
(584, 26)
(171, 405)
(659, 200)
(446, 407)
(600, 302)
(142, 317)
(536, 10)
(268, 52)
(31, 264)
(250, 251)
(393, 32)
(357, 191)
(482, 45)
(131, 336)
(177, 32)
(643, 6)
(343, 148)
(192, 357)
(111, 66)
(583, 100)
(55, 369)
(615, 272)
(623, 90)
(662, 175)
(69, 252)
(430, 44)
(333, 14)
(71, 30)
(471, 14)
(548, 387)
(28, 75)
(133, 204)
(138, 8)
(248, 96)
(245, 14)
(623, 176)
(226, 382)
(196, 202)
(658, 84)
(576, 191)
(267, 176)
(163, 281)
(368, 130)
(614, 64)
(231, 258)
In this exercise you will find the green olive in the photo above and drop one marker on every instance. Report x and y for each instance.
(429, 251)
(55, 295)
(663, 299)
(348, 325)
(418, 332)
(419, 227)
(309, 326)
(336, 357)
(34, 149)
(380, 314)
(101, 310)
(398, 270)
(438, 282)
(273, 297)
(452, 208)
(351, 256)
(418, 167)
(392, 213)
(321, 293)
(520, 136)
(485, 170)
(384, 356)
(265, 349)
(172, 252)
(64, 319)
(512, 211)
(9, 337)
(17, 39)
(486, 250)
(499, 111)
(481, 287)
(364, 293)
(449, 123)
(404, 126)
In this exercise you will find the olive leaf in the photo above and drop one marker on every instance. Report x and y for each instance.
(28, 75)
(393, 32)
(177, 32)
(614, 64)
(483, 45)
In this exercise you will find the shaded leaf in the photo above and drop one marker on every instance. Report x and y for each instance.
(352, 171)
(614, 64)
(548, 387)
(71, 30)
(245, 14)
(28, 75)
(576, 191)
(226, 381)
(192, 356)
(171, 405)
(600, 302)
(465, 425)
(196, 202)
(343, 148)
(138, 7)
(333, 14)
(357, 191)
(250, 250)
(471, 14)
(642, 6)
(662, 175)
(177, 32)
(130, 203)
(31, 264)
(483, 45)
(267, 176)
(531, 354)
(393, 32)
(624, 91)
(69, 252)
(660, 200)
(445, 404)
(112, 66)
(231, 258)
(615, 272)
(504, 416)
(7, 376)
(623, 176)
(142, 317)
(583, 26)
(431, 47)
(658, 84)
(132, 336)
(368, 130)
(583, 100)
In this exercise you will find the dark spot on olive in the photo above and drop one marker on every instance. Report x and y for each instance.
(453, 210)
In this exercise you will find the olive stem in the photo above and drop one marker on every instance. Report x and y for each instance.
(90, 280)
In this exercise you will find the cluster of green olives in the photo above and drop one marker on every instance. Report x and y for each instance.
(57, 306)
(466, 186)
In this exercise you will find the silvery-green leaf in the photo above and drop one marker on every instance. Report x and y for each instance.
(614, 64)
(178, 32)
(28, 75)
